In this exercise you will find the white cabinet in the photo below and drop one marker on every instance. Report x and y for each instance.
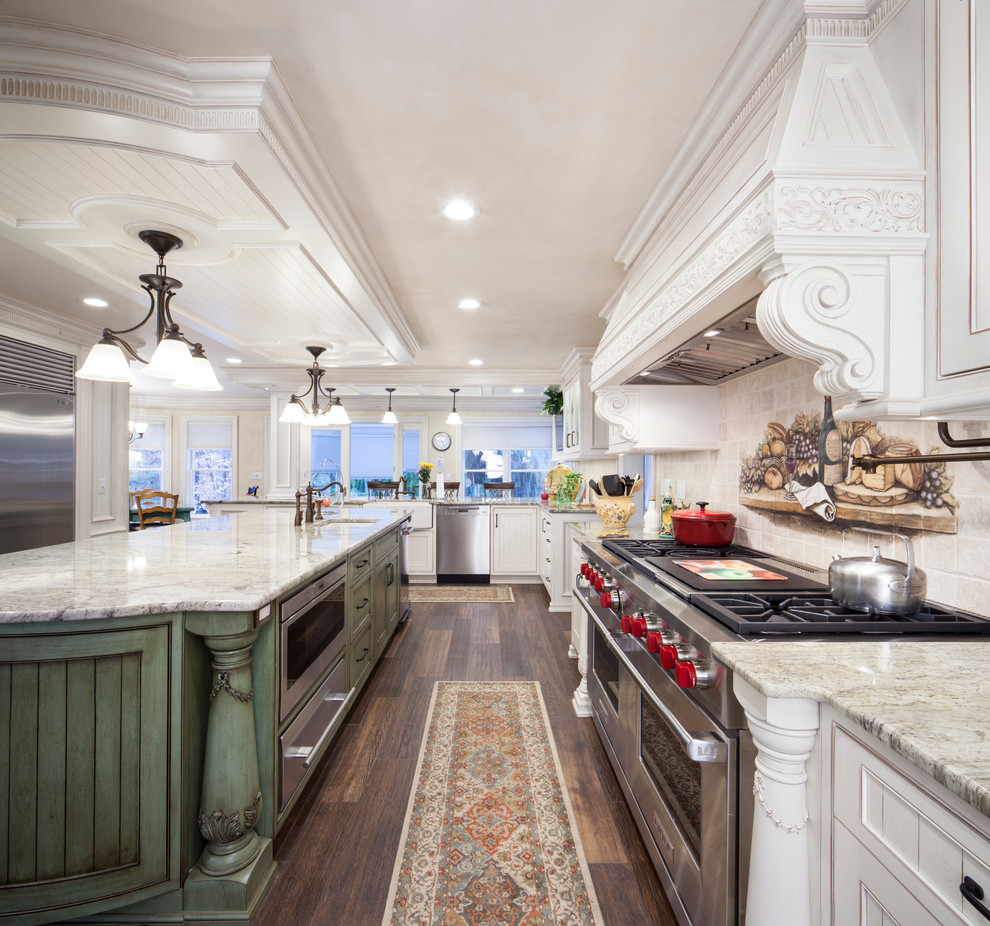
(421, 543)
(961, 213)
(421, 552)
(557, 568)
(644, 419)
(585, 435)
(901, 845)
(514, 546)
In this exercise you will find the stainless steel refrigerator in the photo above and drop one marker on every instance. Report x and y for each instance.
(37, 431)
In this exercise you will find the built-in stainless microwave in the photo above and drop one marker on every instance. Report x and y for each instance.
(313, 629)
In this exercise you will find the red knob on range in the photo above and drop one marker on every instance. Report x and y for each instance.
(584, 570)
(639, 626)
(686, 675)
(668, 656)
(654, 641)
(606, 600)
(627, 623)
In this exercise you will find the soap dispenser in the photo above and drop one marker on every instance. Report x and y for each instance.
(651, 517)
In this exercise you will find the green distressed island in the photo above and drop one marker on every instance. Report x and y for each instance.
(140, 709)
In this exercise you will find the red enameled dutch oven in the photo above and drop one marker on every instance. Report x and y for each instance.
(703, 528)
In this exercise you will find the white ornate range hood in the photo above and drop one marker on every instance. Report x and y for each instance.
(811, 192)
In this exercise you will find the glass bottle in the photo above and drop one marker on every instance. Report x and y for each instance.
(829, 448)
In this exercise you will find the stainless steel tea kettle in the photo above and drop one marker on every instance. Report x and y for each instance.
(873, 583)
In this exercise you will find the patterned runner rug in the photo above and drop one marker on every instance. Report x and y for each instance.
(460, 593)
(489, 836)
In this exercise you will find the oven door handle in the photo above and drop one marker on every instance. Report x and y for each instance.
(700, 747)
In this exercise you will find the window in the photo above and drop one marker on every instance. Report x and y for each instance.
(363, 451)
(372, 456)
(148, 457)
(326, 456)
(209, 454)
(506, 450)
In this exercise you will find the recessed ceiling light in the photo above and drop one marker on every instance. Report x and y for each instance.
(95, 303)
(476, 362)
(460, 210)
(234, 360)
(469, 304)
(518, 389)
(712, 332)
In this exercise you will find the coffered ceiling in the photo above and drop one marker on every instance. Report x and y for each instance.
(303, 152)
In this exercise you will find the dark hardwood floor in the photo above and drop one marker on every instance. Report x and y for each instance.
(337, 850)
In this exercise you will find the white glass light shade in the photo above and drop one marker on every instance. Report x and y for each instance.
(203, 377)
(453, 418)
(106, 363)
(293, 413)
(389, 418)
(336, 414)
(171, 360)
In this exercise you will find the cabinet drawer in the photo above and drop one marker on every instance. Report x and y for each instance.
(386, 544)
(359, 565)
(922, 841)
(358, 604)
(359, 657)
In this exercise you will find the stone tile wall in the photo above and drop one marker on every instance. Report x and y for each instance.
(957, 565)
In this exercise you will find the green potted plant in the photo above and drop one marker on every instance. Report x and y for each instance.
(553, 402)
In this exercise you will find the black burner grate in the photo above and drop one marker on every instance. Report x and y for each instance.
(819, 614)
(632, 549)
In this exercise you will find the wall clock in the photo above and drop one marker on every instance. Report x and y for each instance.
(441, 440)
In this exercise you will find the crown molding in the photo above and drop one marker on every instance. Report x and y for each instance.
(34, 319)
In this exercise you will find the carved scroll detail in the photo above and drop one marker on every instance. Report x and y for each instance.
(806, 314)
(859, 210)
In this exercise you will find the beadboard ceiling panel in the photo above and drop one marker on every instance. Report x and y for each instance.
(41, 182)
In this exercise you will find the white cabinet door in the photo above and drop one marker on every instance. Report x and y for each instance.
(421, 551)
(514, 540)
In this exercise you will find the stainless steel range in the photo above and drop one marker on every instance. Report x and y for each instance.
(664, 707)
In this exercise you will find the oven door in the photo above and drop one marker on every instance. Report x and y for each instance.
(683, 779)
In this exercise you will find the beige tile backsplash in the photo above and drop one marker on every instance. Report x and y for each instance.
(957, 565)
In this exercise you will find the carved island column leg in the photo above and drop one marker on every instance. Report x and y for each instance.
(231, 796)
(581, 701)
(784, 732)
(236, 866)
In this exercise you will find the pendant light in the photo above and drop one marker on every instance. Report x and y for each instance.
(389, 417)
(453, 417)
(108, 360)
(331, 413)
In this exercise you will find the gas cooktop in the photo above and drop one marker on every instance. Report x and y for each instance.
(754, 593)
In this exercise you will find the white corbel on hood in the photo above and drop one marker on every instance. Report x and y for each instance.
(808, 188)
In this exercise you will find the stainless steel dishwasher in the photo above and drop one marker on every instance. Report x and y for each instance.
(463, 543)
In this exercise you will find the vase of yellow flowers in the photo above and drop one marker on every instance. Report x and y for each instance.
(424, 478)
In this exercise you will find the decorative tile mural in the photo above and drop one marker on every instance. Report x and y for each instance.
(805, 467)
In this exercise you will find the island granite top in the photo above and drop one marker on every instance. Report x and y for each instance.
(926, 701)
(236, 562)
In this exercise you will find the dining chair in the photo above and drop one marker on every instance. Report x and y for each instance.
(499, 489)
(450, 489)
(154, 507)
(383, 489)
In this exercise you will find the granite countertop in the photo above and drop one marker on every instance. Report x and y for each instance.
(927, 701)
(236, 562)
